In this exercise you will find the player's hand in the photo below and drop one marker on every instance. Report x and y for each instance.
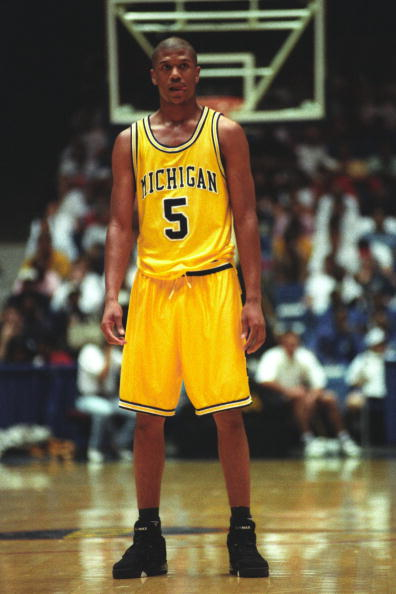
(253, 326)
(111, 325)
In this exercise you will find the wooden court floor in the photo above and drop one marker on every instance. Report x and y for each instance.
(325, 526)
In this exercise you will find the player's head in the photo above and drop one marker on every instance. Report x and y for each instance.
(290, 341)
(173, 43)
(174, 70)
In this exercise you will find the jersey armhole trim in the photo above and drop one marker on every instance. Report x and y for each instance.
(216, 143)
(134, 149)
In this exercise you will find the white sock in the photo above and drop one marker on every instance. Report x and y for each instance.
(307, 436)
(343, 435)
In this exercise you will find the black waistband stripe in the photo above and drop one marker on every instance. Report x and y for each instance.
(208, 270)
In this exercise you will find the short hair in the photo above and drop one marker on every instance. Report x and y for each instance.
(173, 43)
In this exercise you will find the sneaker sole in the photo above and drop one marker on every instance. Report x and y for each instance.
(124, 574)
(253, 572)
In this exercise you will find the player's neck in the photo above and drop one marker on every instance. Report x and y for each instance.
(177, 114)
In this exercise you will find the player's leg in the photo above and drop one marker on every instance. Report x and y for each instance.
(215, 376)
(234, 455)
(148, 552)
(245, 560)
(149, 459)
(150, 386)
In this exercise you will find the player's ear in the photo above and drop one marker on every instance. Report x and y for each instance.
(153, 76)
(197, 72)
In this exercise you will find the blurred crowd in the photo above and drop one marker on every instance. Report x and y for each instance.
(326, 196)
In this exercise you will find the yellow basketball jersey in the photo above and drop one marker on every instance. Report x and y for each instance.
(185, 219)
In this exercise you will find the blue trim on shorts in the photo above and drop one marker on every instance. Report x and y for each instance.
(243, 400)
(169, 410)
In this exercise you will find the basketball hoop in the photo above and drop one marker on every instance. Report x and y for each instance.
(223, 103)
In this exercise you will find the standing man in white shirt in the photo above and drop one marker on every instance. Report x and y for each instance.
(295, 375)
(366, 378)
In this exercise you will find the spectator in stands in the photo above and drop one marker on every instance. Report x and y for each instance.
(324, 285)
(295, 375)
(95, 232)
(46, 267)
(336, 230)
(89, 285)
(366, 380)
(383, 161)
(312, 152)
(33, 306)
(336, 342)
(373, 279)
(380, 233)
(97, 381)
(20, 349)
(291, 250)
(46, 257)
(11, 325)
(61, 224)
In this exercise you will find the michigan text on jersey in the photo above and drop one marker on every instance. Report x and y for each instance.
(173, 178)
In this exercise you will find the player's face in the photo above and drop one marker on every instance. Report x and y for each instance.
(290, 343)
(176, 75)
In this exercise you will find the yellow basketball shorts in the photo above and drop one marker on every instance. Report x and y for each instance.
(184, 330)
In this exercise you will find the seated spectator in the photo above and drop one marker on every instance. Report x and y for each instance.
(49, 351)
(321, 286)
(61, 224)
(95, 232)
(380, 233)
(46, 257)
(336, 341)
(291, 251)
(97, 381)
(36, 315)
(11, 325)
(373, 279)
(20, 349)
(383, 161)
(296, 376)
(312, 152)
(366, 380)
(46, 267)
(87, 283)
(38, 279)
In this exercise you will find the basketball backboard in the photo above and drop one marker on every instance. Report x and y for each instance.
(243, 49)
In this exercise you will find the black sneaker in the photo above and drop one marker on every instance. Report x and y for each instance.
(147, 554)
(245, 560)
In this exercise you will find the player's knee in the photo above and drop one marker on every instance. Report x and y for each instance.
(328, 398)
(229, 420)
(355, 400)
(149, 423)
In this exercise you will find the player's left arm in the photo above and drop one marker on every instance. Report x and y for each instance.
(235, 154)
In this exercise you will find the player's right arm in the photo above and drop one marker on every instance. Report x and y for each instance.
(119, 237)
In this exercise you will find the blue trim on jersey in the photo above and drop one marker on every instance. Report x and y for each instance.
(169, 149)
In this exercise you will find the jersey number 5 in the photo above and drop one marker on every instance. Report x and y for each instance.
(171, 215)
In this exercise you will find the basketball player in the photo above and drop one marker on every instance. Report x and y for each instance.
(188, 169)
